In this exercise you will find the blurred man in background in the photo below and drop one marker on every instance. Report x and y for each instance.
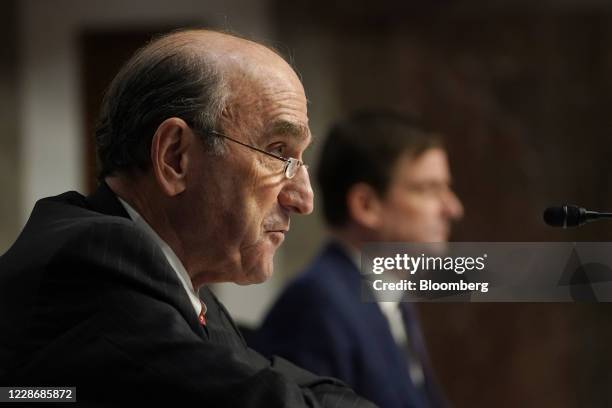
(383, 178)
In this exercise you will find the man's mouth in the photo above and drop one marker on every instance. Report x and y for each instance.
(279, 231)
(276, 228)
(283, 230)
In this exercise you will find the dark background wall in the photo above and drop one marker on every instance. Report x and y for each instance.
(522, 93)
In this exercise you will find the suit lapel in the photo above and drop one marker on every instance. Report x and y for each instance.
(221, 327)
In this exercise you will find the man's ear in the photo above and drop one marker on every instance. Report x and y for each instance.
(364, 205)
(169, 155)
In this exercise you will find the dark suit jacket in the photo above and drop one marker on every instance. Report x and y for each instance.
(321, 323)
(88, 300)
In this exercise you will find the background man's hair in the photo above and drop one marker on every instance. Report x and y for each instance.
(364, 147)
(169, 77)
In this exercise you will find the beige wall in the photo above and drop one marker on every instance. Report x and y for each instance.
(9, 128)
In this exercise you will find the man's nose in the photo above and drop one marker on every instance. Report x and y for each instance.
(453, 207)
(296, 195)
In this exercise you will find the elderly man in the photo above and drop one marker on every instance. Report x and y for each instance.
(383, 177)
(199, 145)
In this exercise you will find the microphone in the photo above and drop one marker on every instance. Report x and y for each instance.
(571, 216)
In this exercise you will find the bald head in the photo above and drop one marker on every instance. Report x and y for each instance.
(246, 68)
(190, 74)
(228, 52)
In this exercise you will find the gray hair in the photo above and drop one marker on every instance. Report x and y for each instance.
(169, 77)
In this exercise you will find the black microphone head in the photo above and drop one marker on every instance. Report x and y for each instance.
(575, 216)
(554, 216)
(565, 216)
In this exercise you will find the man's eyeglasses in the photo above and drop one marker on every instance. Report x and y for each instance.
(292, 165)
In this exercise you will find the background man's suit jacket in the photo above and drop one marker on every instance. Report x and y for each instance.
(320, 322)
(89, 300)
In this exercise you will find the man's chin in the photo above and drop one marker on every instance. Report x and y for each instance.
(255, 278)
(258, 273)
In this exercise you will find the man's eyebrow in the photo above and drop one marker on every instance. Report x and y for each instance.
(291, 129)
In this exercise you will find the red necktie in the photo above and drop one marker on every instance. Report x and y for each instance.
(202, 316)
